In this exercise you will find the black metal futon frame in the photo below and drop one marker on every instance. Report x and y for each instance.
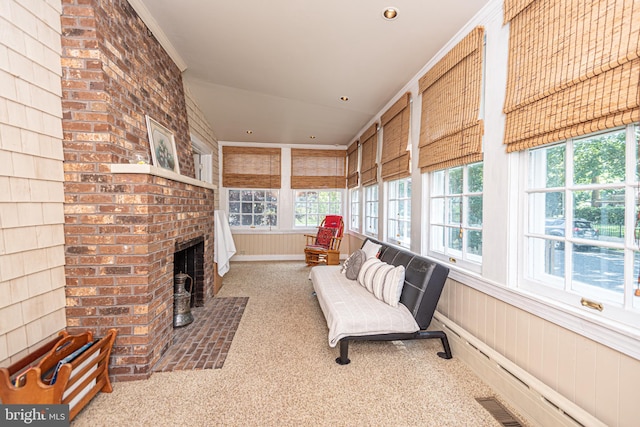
(424, 281)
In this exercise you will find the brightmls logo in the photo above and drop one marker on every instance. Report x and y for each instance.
(34, 415)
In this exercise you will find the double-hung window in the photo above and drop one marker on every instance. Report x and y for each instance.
(311, 206)
(579, 211)
(354, 211)
(371, 210)
(451, 153)
(253, 208)
(318, 178)
(582, 229)
(252, 177)
(456, 213)
(399, 212)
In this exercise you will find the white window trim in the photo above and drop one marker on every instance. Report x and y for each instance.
(254, 228)
(613, 313)
(358, 203)
(206, 155)
(285, 192)
(365, 232)
(583, 321)
(461, 263)
(307, 228)
(387, 216)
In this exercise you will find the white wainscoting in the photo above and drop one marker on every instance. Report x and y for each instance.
(564, 372)
(275, 246)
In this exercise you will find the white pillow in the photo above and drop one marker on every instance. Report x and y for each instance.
(370, 273)
(365, 267)
(394, 282)
(379, 280)
(371, 249)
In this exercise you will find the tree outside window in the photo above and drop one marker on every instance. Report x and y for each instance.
(253, 208)
(399, 212)
(456, 212)
(311, 206)
(371, 210)
(354, 223)
(582, 227)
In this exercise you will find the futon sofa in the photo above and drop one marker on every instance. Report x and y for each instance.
(393, 297)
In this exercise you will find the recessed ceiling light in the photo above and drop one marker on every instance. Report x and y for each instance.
(312, 137)
(390, 13)
(344, 98)
(249, 132)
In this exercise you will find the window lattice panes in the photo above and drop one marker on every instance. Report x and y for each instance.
(456, 212)
(311, 206)
(253, 208)
(371, 210)
(399, 212)
(582, 226)
(354, 222)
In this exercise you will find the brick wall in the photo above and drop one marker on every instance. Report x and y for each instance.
(31, 179)
(121, 229)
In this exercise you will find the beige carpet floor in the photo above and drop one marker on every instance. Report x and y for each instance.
(280, 371)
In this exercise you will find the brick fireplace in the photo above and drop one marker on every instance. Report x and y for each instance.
(124, 221)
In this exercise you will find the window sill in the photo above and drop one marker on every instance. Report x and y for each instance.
(266, 230)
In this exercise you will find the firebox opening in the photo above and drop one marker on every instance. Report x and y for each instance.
(189, 259)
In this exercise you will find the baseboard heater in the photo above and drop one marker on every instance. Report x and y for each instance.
(539, 403)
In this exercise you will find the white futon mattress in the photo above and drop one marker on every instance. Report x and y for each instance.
(351, 310)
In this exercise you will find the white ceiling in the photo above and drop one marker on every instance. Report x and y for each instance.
(279, 67)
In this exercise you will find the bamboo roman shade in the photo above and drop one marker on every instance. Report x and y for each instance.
(318, 168)
(250, 167)
(450, 130)
(352, 165)
(395, 140)
(574, 68)
(369, 149)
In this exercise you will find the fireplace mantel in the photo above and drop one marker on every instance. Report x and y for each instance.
(161, 172)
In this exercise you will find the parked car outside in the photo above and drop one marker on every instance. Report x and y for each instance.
(582, 229)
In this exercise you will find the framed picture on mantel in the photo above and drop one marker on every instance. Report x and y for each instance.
(163, 146)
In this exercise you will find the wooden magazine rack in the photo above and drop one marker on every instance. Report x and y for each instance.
(77, 381)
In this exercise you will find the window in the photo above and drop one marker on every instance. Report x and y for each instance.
(311, 206)
(354, 222)
(399, 212)
(582, 229)
(202, 160)
(371, 210)
(456, 213)
(253, 208)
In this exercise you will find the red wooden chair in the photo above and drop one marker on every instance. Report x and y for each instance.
(324, 247)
